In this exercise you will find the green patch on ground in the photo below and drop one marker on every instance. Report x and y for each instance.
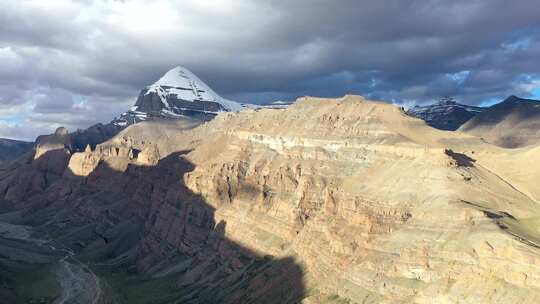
(334, 299)
(37, 285)
(316, 296)
(124, 287)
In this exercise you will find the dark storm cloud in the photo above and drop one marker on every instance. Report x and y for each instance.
(79, 62)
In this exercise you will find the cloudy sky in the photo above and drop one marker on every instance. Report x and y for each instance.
(75, 63)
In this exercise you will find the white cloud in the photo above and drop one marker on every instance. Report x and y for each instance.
(530, 87)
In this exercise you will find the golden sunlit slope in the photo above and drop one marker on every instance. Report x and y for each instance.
(513, 123)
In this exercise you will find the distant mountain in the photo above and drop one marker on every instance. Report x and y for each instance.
(278, 104)
(446, 114)
(515, 122)
(178, 93)
(11, 149)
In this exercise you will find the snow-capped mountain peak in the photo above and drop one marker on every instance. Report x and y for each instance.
(177, 93)
(186, 86)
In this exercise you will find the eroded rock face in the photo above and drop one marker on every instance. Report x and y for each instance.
(349, 199)
(375, 210)
(26, 180)
(83, 163)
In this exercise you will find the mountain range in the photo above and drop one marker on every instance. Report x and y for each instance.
(511, 123)
(193, 199)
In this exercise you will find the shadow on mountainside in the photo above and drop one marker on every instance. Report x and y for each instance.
(148, 237)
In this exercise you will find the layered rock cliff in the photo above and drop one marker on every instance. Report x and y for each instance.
(378, 206)
(330, 200)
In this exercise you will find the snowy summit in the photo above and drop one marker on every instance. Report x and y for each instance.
(177, 93)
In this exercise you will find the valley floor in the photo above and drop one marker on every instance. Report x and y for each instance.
(41, 272)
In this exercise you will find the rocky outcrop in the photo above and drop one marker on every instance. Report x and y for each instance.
(59, 141)
(83, 163)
